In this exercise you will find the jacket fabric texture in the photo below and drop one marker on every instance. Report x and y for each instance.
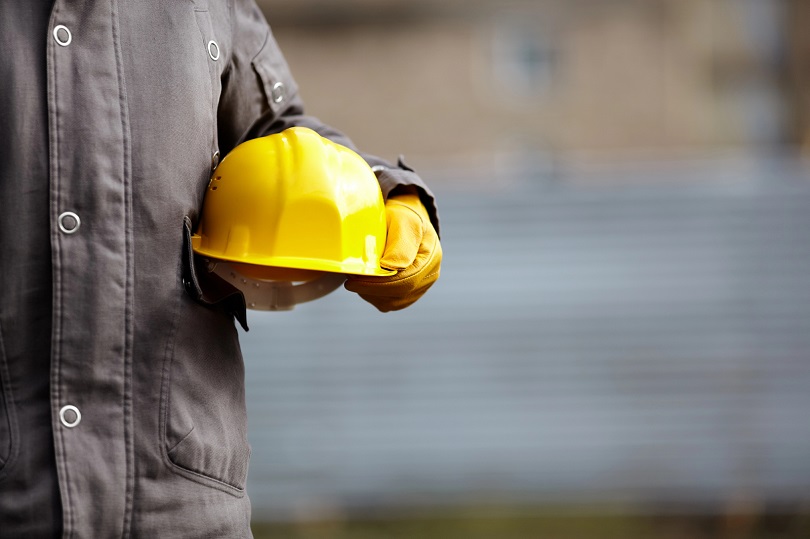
(122, 404)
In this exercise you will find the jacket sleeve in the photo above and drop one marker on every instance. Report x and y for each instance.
(260, 97)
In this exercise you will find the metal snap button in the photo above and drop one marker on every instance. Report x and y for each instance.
(62, 35)
(279, 92)
(69, 222)
(70, 416)
(215, 160)
(213, 50)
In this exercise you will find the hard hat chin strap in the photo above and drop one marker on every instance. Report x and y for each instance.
(277, 295)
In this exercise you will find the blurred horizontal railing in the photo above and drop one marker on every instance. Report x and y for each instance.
(629, 342)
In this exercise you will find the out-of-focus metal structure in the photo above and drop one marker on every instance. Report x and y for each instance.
(594, 339)
(624, 314)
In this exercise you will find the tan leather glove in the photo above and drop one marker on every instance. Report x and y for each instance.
(412, 248)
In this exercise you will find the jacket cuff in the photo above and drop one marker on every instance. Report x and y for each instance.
(402, 175)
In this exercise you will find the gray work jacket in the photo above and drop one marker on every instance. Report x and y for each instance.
(122, 410)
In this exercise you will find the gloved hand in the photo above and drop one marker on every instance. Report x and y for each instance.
(412, 248)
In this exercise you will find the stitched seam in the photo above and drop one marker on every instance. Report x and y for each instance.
(207, 480)
(167, 374)
(56, 330)
(172, 448)
(129, 446)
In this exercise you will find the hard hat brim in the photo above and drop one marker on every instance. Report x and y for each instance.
(348, 267)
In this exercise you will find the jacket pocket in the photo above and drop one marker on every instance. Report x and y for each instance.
(207, 288)
(203, 413)
(8, 418)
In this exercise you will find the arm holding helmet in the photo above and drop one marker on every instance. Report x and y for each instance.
(412, 245)
(412, 248)
(260, 97)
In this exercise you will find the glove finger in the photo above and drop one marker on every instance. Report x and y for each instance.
(404, 236)
(407, 286)
(396, 302)
(428, 256)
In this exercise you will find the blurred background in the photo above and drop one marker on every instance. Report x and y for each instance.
(619, 344)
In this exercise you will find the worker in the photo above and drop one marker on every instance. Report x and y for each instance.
(122, 399)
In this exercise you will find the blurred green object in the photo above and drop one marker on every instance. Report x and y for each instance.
(559, 525)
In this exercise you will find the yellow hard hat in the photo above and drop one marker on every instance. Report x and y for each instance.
(291, 207)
